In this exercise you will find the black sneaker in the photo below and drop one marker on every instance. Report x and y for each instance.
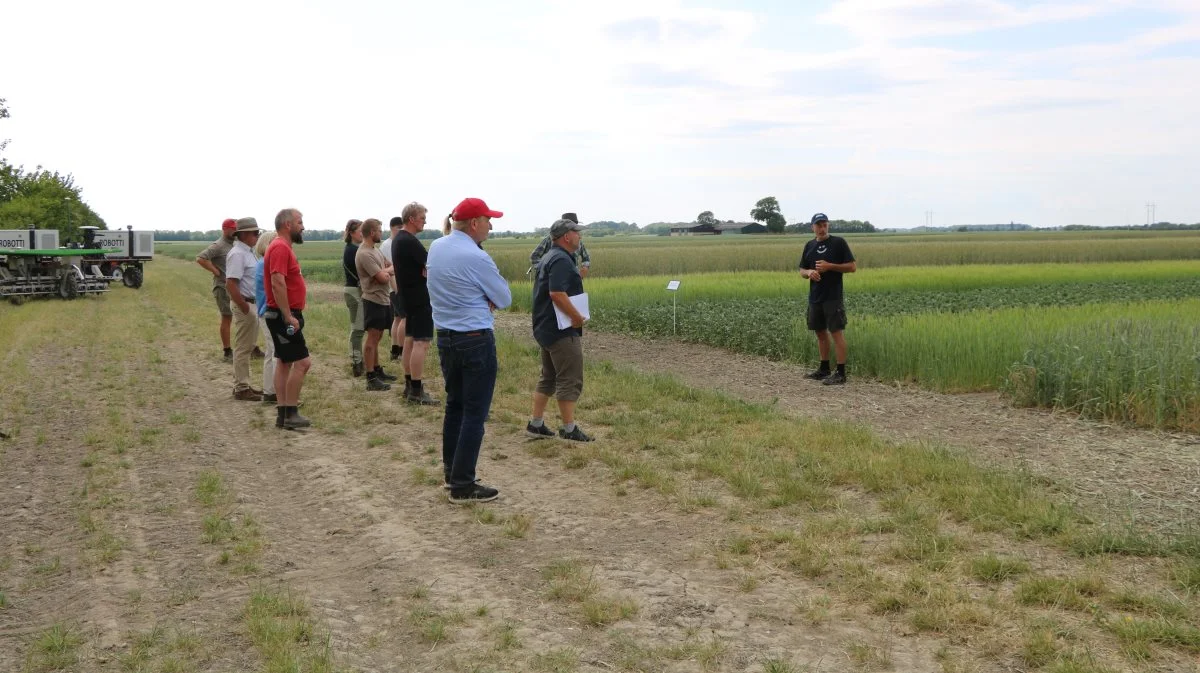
(835, 379)
(376, 383)
(384, 375)
(818, 375)
(540, 431)
(396, 355)
(473, 493)
(358, 369)
(228, 357)
(576, 435)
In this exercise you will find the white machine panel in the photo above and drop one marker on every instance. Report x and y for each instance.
(18, 239)
(14, 239)
(47, 239)
(112, 242)
(143, 244)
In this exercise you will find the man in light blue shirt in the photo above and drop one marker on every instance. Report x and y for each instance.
(464, 288)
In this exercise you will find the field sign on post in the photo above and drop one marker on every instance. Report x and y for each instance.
(673, 287)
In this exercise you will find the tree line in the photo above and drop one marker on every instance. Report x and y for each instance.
(41, 197)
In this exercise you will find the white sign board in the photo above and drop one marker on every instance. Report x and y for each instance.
(673, 285)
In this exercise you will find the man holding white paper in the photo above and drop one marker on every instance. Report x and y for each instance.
(558, 298)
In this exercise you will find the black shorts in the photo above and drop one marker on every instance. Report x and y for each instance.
(827, 316)
(376, 316)
(398, 305)
(288, 347)
(419, 324)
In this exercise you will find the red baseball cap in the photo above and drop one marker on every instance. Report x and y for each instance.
(229, 224)
(472, 208)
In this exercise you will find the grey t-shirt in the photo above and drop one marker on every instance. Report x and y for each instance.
(216, 253)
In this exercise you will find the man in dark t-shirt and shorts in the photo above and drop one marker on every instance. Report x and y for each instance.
(823, 262)
(409, 257)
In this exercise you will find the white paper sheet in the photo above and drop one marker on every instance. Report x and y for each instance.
(580, 301)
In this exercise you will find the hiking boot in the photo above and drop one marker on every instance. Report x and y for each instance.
(270, 398)
(576, 435)
(228, 357)
(835, 379)
(420, 398)
(257, 353)
(376, 383)
(397, 356)
(295, 420)
(255, 390)
(278, 418)
(538, 431)
(384, 375)
(818, 375)
(358, 369)
(474, 493)
(247, 395)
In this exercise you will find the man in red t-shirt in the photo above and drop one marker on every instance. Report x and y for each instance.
(286, 291)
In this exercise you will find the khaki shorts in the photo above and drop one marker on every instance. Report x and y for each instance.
(562, 370)
(222, 297)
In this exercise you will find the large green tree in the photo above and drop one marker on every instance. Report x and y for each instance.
(45, 199)
(706, 217)
(767, 211)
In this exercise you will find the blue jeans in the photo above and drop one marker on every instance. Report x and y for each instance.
(469, 371)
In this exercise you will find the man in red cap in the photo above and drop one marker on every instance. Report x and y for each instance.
(213, 261)
(464, 288)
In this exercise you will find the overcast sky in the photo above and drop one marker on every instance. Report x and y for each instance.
(177, 115)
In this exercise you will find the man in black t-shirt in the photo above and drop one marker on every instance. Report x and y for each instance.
(558, 280)
(823, 262)
(408, 258)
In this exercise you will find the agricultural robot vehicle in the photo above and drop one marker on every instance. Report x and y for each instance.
(33, 265)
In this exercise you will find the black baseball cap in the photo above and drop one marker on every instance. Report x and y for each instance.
(819, 217)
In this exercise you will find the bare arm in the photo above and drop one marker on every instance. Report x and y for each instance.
(279, 291)
(847, 267)
(384, 276)
(208, 266)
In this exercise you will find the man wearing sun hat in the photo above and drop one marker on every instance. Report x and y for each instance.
(212, 259)
(240, 265)
(464, 288)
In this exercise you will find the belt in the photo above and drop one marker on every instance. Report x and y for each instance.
(450, 332)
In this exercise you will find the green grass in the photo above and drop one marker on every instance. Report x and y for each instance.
(54, 649)
(282, 630)
(993, 568)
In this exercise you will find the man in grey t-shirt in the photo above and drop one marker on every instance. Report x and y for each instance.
(212, 259)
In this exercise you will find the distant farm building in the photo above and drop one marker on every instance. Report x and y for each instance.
(742, 228)
(694, 230)
(717, 229)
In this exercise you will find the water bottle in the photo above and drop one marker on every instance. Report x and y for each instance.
(291, 331)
